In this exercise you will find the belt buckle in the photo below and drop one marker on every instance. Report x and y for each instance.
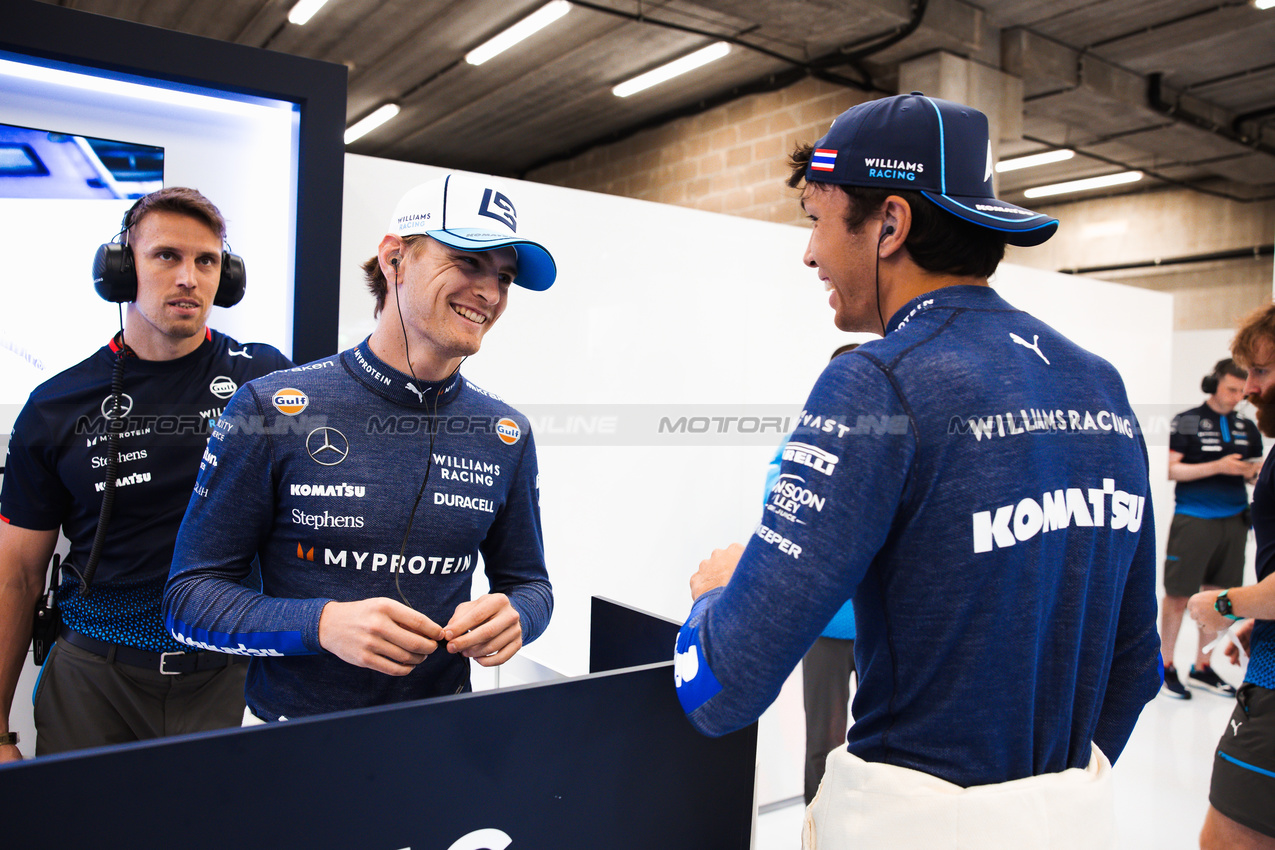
(163, 661)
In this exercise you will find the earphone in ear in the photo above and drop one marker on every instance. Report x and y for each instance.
(886, 231)
(393, 261)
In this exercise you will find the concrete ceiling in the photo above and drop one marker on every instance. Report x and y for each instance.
(1181, 89)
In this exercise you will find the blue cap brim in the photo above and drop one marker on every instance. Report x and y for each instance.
(1016, 225)
(536, 268)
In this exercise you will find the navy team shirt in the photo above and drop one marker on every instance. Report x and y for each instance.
(56, 469)
(1201, 435)
(978, 484)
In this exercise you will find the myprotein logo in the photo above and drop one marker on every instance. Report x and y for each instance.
(222, 387)
(375, 562)
(498, 206)
(290, 401)
(508, 431)
(1094, 507)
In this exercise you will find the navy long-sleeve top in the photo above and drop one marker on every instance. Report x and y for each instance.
(978, 484)
(315, 471)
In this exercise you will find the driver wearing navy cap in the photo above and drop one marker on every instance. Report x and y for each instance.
(991, 522)
(368, 485)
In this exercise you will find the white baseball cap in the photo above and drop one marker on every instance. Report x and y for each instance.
(471, 213)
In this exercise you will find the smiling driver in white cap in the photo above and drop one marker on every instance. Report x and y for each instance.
(370, 483)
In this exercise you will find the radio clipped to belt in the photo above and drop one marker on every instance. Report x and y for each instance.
(47, 620)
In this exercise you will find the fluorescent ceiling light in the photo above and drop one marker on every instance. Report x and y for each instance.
(151, 92)
(672, 69)
(1081, 185)
(1264, 4)
(304, 10)
(525, 28)
(359, 129)
(1035, 159)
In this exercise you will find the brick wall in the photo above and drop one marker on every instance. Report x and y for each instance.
(732, 159)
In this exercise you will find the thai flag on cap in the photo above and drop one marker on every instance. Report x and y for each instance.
(823, 159)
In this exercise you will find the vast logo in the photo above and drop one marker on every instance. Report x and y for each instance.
(222, 387)
(126, 405)
(327, 446)
(508, 431)
(498, 206)
(290, 401)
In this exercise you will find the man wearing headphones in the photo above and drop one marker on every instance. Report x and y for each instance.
(369, 484)
(991, 520)
(126, 427)
(1213, 453)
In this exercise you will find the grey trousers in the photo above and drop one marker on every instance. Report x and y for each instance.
(82, 700)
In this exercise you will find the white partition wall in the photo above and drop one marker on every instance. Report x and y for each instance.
(664, 315)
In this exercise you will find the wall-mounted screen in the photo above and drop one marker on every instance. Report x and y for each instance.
(61, 195)
(50, 164)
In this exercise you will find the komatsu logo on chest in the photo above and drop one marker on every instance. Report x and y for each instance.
(1009, 524)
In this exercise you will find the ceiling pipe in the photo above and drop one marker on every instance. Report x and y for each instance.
(1256, 252)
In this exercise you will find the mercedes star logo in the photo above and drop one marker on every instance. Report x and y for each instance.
(126, 405)
(327, 446)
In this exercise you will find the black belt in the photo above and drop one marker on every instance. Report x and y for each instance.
(168, 663)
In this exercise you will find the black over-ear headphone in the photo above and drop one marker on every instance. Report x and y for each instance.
(115, 274)
(1209, 383)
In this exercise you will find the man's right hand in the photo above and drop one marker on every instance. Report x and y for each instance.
(1234, 465)
(379, 634)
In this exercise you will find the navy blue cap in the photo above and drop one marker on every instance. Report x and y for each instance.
(936, 147)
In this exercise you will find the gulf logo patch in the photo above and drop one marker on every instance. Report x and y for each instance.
(508, 431)
(289, 401)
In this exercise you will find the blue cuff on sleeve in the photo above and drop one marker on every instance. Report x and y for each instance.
(695, 681)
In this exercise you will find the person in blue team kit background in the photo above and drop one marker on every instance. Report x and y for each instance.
(369, 484)
(1211, 457)
(982, 494)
